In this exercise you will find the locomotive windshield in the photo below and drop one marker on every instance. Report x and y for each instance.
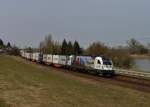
(107, 61)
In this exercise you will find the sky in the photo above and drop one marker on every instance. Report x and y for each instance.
(26, 22)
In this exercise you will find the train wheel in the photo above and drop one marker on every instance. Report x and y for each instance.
(104, 74)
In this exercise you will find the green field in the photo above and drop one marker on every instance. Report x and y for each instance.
(24, 84)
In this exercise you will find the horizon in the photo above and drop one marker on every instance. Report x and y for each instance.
(113, 46)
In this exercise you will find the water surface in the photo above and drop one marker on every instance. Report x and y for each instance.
(142, 64)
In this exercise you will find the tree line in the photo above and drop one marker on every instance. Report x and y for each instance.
(8, 48)
(136, 47)
(50, 46)
(2, 45)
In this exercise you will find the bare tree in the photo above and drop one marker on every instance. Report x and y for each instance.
(97, 48)
(135, 47)
(46, 46)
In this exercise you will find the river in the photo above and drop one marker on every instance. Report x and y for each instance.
(142, 64)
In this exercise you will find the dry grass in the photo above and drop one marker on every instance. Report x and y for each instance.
(29, 85)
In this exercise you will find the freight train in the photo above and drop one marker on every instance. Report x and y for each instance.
(97, 65)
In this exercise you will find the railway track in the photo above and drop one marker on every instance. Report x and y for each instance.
(136, 83)
(133, 73)
(133, 82)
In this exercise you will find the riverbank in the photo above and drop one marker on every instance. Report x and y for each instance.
(133, 72)
(145, 56)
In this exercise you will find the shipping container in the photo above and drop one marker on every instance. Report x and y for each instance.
(62, 59)
(38, 57)
(48, 59)
(44, 58)
(59, 60)
(34, 57)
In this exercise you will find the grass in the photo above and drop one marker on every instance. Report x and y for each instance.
(24, 84)
(3, 103)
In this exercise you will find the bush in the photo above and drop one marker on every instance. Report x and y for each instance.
(14, 51)
(121, 58)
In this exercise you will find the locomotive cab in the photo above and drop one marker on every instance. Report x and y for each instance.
(103, 65)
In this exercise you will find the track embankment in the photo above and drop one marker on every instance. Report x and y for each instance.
(133, 73)
(137, 83)
(127, 81)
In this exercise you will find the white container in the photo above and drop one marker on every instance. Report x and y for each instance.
(55, 59)
(28, 55)
(34, 57)
(37, 56)
(59, 59)
(22, 53)
(62, 60)
(49, 58)
(45, 58)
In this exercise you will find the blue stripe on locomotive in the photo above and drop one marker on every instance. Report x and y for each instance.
(84, 60)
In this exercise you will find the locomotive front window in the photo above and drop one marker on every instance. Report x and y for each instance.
(98, 61)
(107, 62)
